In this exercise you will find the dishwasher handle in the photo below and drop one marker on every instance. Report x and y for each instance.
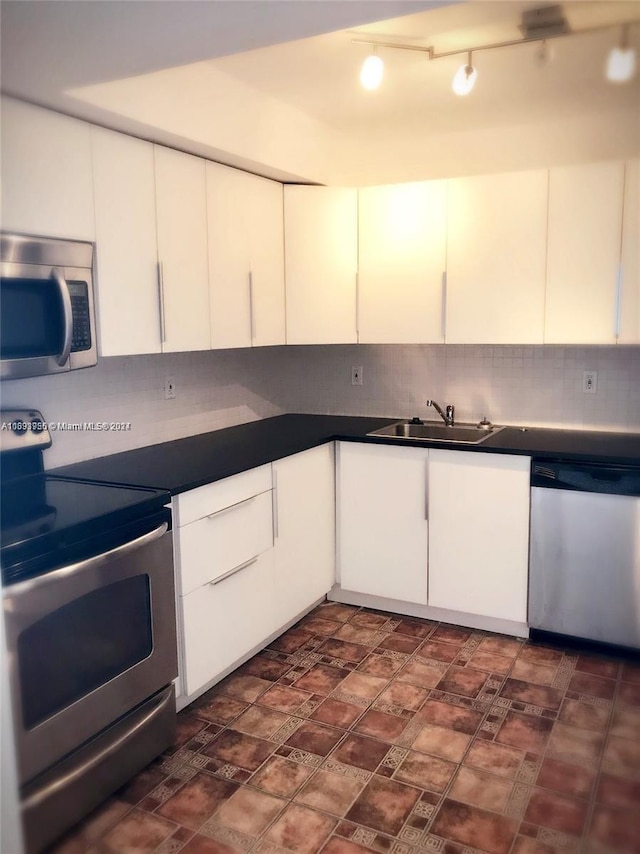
(586, 477)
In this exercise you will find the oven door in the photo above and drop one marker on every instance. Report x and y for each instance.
(87, 644)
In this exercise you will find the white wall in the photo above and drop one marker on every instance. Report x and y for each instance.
(515, 385)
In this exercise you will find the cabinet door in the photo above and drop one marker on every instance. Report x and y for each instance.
(320, 230)
(47, 184)
(629, 320)
(496, 251)
(246, 258)
(304, 524)
(402, 233)
(182, 249)
(585, 221)
(382, 524)
(127, 251)
(479, 533)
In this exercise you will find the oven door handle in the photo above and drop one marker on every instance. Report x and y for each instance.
(67, 312)
(65, 572)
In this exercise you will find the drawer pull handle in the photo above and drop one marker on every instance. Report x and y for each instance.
(233, 571)
(232, 507)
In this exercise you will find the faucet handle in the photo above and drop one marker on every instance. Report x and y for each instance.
(450, 411)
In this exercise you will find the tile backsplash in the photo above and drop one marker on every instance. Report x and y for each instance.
(214, 389)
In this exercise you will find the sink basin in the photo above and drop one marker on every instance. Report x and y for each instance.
(469, 434)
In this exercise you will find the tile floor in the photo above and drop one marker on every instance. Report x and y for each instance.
(360, 731)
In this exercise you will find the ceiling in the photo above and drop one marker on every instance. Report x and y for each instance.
(272, 85)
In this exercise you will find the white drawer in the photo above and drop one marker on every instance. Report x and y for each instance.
(217, 544)
(208, 499)
(225, 620)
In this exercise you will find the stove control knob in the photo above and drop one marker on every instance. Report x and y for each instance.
(19, 427)
(37, 426)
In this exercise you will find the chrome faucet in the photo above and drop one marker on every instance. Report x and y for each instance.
(447, 416)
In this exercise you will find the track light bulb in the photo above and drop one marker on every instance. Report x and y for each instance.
(621, 64)
(372, 72)
(465, 78)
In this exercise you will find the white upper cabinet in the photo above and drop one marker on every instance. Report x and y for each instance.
(320, 227)
(496, 250)
(585, 221)
(182, 250)
(127, 251)
(629, 320)
(479, 533)
(401, 260)
(47, 186)
(246, 258)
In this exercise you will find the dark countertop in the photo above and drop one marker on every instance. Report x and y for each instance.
(185, 464)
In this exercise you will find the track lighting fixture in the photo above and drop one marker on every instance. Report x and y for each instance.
(538, 25)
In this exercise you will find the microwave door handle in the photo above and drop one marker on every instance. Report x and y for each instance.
(63, 289)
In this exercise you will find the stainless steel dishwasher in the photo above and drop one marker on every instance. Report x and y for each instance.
(584, 572)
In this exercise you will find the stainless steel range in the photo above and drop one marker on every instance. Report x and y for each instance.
(89, 612)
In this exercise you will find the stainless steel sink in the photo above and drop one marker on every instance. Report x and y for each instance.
(469, 434)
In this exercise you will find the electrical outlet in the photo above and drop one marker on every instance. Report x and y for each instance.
(169, 388)
(590, 382)
(356, 375)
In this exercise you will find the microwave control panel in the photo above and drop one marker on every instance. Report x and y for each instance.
(81, 339)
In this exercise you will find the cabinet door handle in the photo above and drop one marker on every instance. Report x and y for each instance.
(443, 319)
(274, 500)
(252, 323)
(233, 571)
(163, 330)
(231, 507)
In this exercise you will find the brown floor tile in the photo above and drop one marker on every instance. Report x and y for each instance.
(362, 686)
(415, 628)
(370, 619)
(204, 845)
(567, 778)
(142, 785)
(219, 709)
(534, 695)
(284, 699)
(400, 643)
(500, 645)
(301, 830)
(404, 695)
(384, 805)
(549, 809)
(344, 650)
(421, 673)
(618, 792)
(320, 626)
(343, 846)
(480, 789)
(336, 713)
(336, 611)
(247, 688)
(137, 833)
(360, 752)
(463, 680)
(539, 674)
(315, 738)
(622, 757)
(260, 722)
(597, 666)
(321, 679)
(584, 715)
(492, 662)
(197, 800)
(594, 686)
(450, 717)
(527, 845)
(526, 732)
(265, 668)
(186, 727)
(280, 776)
(381, 725)
(291, 641)
(626, 721)
(380, 665)
(248, 811)
(332, 793)
(451, 634)
(441, 742)
(239, 749)
(541, 654)
(629, 693)
(616, 829)
(432, 649)
(427, 772)
(474, 827)
(496, 758)
(631, 673)
(79, 838)
(358, 634)
(575, 745)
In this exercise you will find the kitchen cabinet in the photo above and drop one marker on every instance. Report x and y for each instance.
(479, 533)
(181, 208)
(401, 262)
(629, 317)
(321, 259)
(383, 533)
(127, 250)
(496, 253)
(304, 524)
(224, 565)
(47, 186)
(585, 222)
(246, 258)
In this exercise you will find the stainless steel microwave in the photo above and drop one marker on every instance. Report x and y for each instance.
(47, 315)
